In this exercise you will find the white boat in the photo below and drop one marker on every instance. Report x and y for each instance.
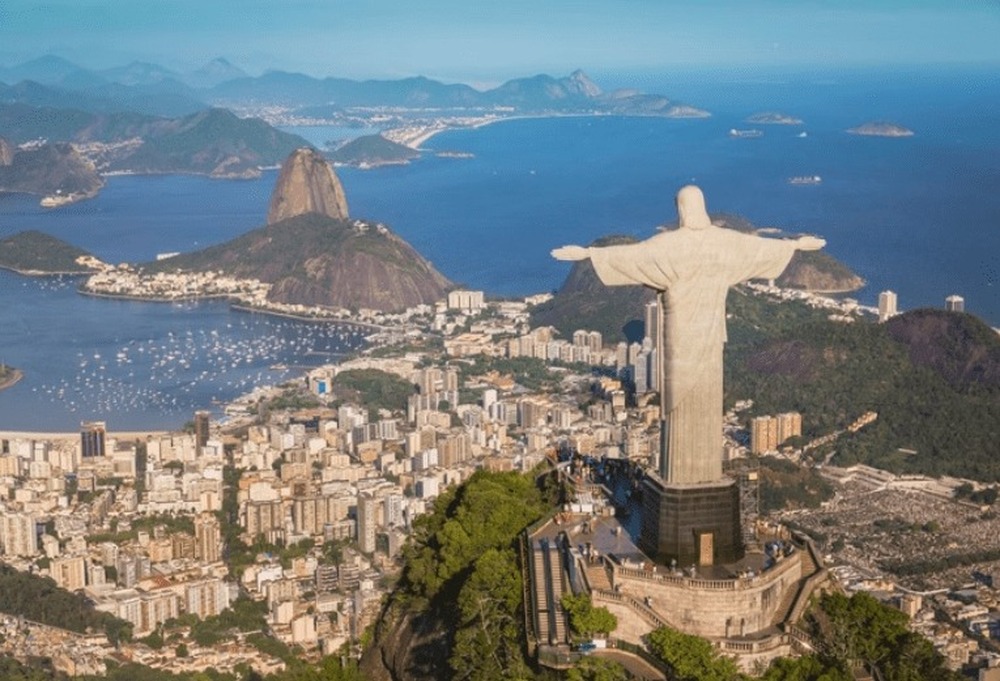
(805, 179)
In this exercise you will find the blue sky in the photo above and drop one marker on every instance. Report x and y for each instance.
(487, 42)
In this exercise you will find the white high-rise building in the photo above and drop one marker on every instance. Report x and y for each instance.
(640, 372)
(954, 304)
(17, 534)
(70, 572)
(366, 523)
(394, 504)
(887, 305)
(206, 597)
(653, 322)
(207, 538)
(466, 301)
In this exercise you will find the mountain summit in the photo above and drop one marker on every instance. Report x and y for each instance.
(580, 83)
(306, 184)
(312, 254)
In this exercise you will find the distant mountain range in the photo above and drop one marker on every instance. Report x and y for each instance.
(148, 88)
(137, 87)
(213, 141)
(145, 118)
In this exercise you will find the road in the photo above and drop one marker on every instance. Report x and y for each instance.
(635, 665)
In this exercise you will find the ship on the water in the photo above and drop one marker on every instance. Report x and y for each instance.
(733, 132)
(805, 179)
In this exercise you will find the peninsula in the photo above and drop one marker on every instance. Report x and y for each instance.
(372, 151)
(33, 253)
(309, 255)
(57, 172)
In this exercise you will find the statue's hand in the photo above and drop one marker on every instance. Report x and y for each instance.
(570, 253)
(809, 243)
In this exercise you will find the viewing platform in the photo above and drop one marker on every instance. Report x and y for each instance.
(747, 608)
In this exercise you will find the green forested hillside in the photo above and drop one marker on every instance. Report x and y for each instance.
(40, 600)
(37, 252)
(933, 378)
(372, 150)
(462, 585)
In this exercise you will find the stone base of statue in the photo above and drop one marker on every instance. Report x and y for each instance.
(691, 524)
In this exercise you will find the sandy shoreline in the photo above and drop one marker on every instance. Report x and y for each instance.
(74, 435)
(236, 304)
(416, 136)
(41, 273)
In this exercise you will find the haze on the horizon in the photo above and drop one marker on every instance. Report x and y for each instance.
(474, 41)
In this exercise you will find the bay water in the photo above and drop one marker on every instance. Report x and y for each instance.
(919, 215)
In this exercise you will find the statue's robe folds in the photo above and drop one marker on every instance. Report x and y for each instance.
(692, 269)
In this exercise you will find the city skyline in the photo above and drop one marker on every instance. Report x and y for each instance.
(485, 44)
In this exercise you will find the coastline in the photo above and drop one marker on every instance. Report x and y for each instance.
(235, 304)
(42, 273)
(417, 135)
(834, 291)
(240, 307)
(9, 382)
(75, 435)
(152, 299)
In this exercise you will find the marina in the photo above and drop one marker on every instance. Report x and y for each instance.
(139, 365)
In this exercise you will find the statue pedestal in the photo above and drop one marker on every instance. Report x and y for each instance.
(692, 524)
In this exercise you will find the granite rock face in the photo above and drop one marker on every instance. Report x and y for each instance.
(314, 259)
(307, 184)
(820, 273)
(349, 264)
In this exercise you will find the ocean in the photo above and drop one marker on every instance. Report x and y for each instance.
(919, 215)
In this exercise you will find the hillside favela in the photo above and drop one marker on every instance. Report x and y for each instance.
(549, 341)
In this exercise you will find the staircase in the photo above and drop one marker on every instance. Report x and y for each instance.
(541, 600)
(549, 584)
(557, 582)
(786, 610)
(597, 576)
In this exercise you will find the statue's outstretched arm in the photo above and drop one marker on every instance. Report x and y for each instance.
(571, 253)
(809, 243)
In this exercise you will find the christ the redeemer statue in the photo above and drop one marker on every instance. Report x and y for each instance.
(692, 269)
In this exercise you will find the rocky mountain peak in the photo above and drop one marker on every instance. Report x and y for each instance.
(219, 70)
(581, 84)
(306, 184)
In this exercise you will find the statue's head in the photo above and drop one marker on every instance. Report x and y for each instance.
(691, 208)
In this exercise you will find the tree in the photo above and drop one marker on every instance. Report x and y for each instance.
(586, 620)
(691, 658)
(806, 668)
(461, 567)
(488, 640)
(597, 669)
(487, 512)
(860, 629)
